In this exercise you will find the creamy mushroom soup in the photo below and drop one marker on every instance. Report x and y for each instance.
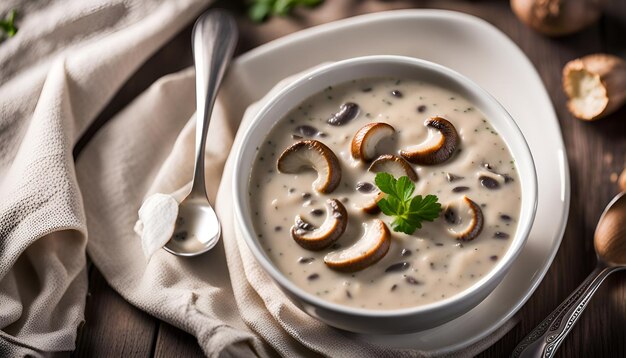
(313, 197)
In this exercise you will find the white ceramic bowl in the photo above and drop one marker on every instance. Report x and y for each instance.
(383, 321)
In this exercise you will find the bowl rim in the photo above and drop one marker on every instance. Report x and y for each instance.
(245, 227)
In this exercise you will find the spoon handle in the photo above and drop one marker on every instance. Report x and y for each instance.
(544, 340)
(214, 40)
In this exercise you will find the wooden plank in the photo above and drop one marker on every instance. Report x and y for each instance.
(173, 342)
(113, 328)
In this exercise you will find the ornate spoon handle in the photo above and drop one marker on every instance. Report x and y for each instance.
(545, 339)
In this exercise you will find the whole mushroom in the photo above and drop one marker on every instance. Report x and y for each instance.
(595, 85)
(557, 17)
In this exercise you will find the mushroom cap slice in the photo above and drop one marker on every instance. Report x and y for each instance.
(367, 251)
(393, 165)
(595, 85)
(367, 138)
(370, 206)
(315, 239)
(469, 216)
(439, 147)
(312, 154)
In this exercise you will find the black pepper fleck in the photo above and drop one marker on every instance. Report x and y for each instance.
(453, 177)
(180, 236)
(451, 216)
(317, 212)
(460, 189)
(306, 260)
(397, 267)
(488, 182)
(411, 280)
(364, 187)
(500, 235)
(396, 93)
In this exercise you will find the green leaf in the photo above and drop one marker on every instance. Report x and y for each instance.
(386, 183)
(405, 188)
(402, 225)
(408, 212)
(310, 3)
(396, 204)
(8, 24)
(283, 7)
(259, 11)
(426, 209)
(386, 207)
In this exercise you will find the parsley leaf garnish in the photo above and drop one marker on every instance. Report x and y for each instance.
(7, 25)
(408, 211)
(260, 10)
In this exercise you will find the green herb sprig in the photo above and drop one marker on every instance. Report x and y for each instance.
(7, 25)
(260, 10)
(407, 210)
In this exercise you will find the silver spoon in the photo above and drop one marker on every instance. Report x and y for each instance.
(610, 245)
(214, 40)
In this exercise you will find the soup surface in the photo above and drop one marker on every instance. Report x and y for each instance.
(432, 263)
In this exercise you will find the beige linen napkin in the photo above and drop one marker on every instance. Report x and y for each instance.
(147, 149)
(65, 63)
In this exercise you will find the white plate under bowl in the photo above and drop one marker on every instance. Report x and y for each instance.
(476, 49)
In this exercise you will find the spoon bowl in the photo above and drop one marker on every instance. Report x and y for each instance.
(610, 236)
(194, 233)
(214, 39)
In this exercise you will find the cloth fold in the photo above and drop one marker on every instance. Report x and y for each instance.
(66, 62)
(52, 210)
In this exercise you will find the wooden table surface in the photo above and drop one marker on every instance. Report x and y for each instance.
(595, 152)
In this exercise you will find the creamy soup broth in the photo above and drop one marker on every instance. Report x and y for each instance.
(439, 265)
